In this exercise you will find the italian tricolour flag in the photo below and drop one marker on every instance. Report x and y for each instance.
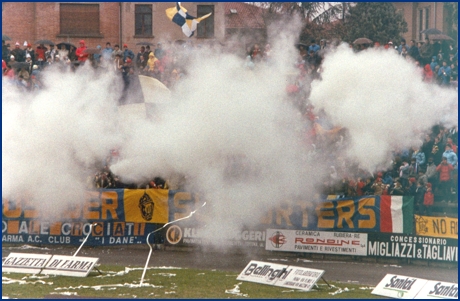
(396, 214)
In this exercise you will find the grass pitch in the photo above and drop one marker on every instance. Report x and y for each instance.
(164, 283)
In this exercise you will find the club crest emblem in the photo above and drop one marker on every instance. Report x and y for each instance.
(146, 206)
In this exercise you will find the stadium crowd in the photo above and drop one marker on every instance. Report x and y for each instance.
(429, 172)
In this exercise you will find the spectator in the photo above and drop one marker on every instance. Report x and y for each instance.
(450, 155)
(433, 63)
(18, 53)
(419, 197)
(97, 56)
(116, 51)
(436, 150)
(422, 177)
(23, 77)
(404, 173)
(444, 73)
(150, 65)
(30, 51)
(9, 73)
(72, 54)
(63, 52)
(360, 187)
(452, 144)
(5, 51)
(428, 200)
(107, 52)
(419, 156)
(12, 61)
(397, 189)
(444, 170)
(118, 62)
(139, 61)
(427, 74)
(30, 62)
(313, 46)
(127, 53)
(413, 167)
(51, 53)
(412, 187)
(404, 53)
(402, 46)
(426, 52)
(159, 52)
(378, 186)
(431, 173)
(81, 54)
(413, 50)
(147, 53)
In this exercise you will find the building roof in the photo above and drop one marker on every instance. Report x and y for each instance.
(242, 15)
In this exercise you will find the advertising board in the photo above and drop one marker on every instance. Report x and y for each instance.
(25, 263)
(436, 226)
(397, 286)
(306, 241)
(181, 235)
(280, 275)
(438, 290)
(412, 247)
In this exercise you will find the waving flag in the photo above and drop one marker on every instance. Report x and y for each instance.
(179, 15)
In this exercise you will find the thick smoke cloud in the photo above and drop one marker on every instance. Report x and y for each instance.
(382, 101)
(230, 130)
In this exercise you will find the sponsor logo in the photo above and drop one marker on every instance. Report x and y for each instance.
(327, 241)
(174, 234)
(422, 225)
(277, 239)
(146, 206)
(401, 285)
(267, 271)
(440, 290)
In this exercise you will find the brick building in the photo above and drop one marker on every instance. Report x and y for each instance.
(422, 15)
(99, 22)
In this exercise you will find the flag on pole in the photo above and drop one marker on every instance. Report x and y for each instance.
(179, 15)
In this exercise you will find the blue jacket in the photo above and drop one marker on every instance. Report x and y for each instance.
(451, 158)
(314, 47)
(445, 73)
(128, 53)
(419, 157)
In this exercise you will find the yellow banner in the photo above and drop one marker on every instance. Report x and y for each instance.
(436, 226)
(146, 206)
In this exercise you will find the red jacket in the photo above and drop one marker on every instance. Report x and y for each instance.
(428, 199)
(40, 53)
(80, 52)
(444, 171)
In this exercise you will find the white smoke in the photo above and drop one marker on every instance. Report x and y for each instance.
(221, 115)
(382, 101)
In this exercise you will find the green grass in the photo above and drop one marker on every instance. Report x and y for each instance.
(163, 283)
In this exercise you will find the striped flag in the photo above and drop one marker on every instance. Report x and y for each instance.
(179, 15)
(396, 214)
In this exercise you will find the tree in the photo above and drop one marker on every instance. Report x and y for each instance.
(451, 9)
(377, 21)
(316, 16)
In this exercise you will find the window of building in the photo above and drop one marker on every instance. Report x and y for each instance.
(420, 24)
(79, 19)
(143, 20)
(427, 18)
(205, 28)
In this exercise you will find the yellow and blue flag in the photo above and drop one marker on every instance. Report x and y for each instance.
(179, 15)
